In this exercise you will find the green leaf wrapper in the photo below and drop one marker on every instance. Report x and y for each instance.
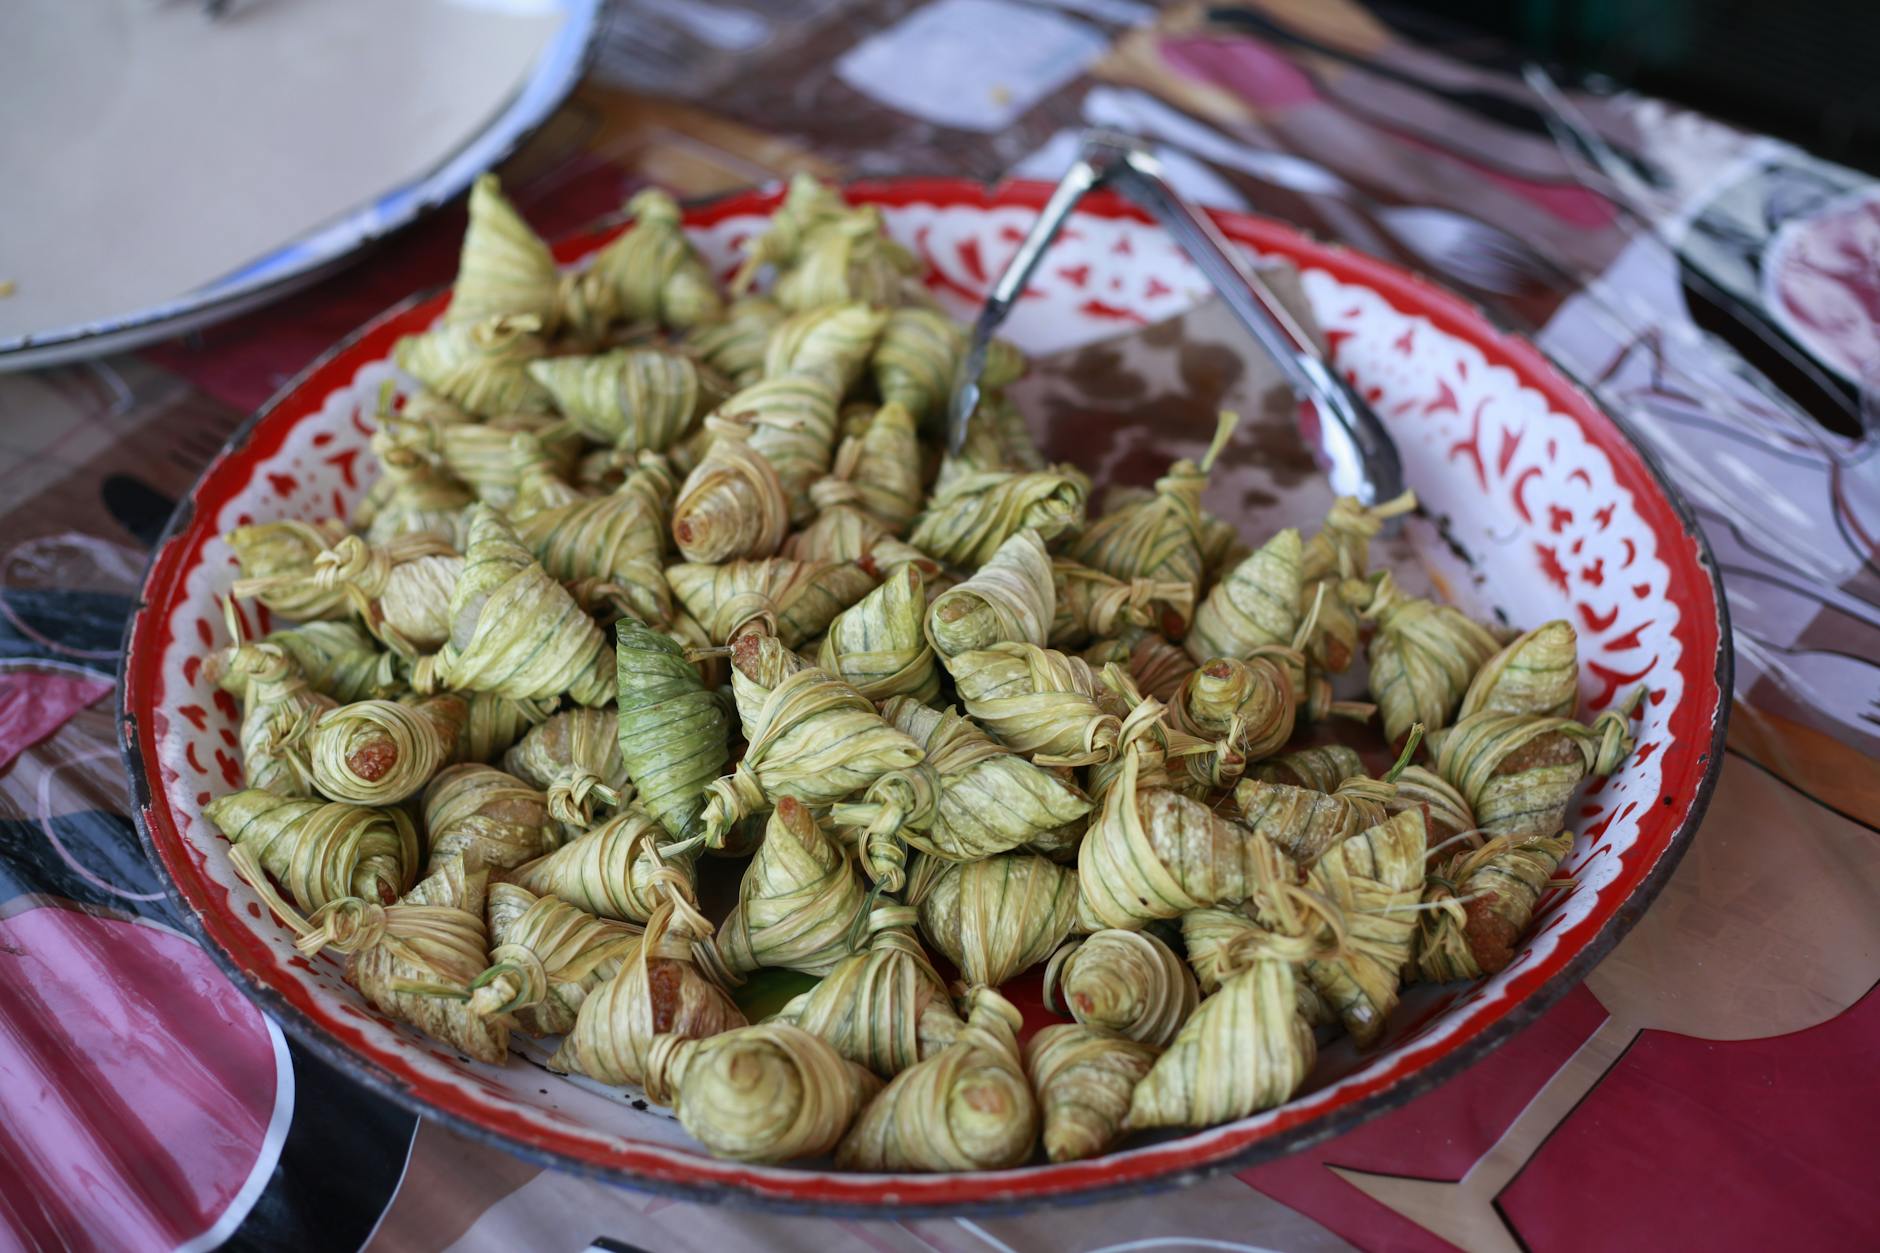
(795, 600)
(1485, 900)
(1537, 675)
(1125, 983)
(375, 752)
(1157, 854)
(575, 758)
(1422, 658)
(884, 1007)
(877, 646)
(800, 900)
(733, 346)
(514, 630)
(967, 521)
(320, 851)
(483, 814)
(969, 1107)
(1376, 879)
(991, 800)
(995, 917)
(672, 732)
(482, 366)
(651, 273)
(636, 399)
(548, 956)
(612, 871)
(1010, 598)
(769, 1093)
(1084, 1079)
(660, 990)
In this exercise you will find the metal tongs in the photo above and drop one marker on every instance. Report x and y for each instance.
(1359, 456)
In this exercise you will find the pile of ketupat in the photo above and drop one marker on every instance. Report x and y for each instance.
(629, 524)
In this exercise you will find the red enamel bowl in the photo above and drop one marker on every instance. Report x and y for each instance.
(1549, 509)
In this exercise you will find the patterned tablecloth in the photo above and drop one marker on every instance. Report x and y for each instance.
(1711, 1085)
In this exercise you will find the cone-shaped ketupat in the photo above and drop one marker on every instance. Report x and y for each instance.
(651, 273)
(1337, 559)
(400, 589)
(732, 504)
(733, 346)
(505, 268)
(1422, 658)
(1157, 854)
(415, 496)
(1158, 537)
(991, 800)
(1375, 878)
(969, 1107)
(660, 990)
(1089, 604)
(416, 958)
(339, 660)
(481, 813)
(848, 260)
(795, 600)
(808, 204)
(1448, 814)
(514, 630)
(1321, 768)
(876, 470)
(1083, 1079)
(574, 757)
(1537, 675)
(547, 955)
(1215, 940)
(1252, 1019)
(967, 521)
(810, 736)
(276, 560)
(484, 724)
(1304, 823)
(375, 752)
(1010, 598)
(995, 917)
(791, 420)
(768, 1093)
(832, 342)
(877, 645)
(844, 534)
(1245, 708)
(480, 454)
(1255, 605)
(1483, 901)
(278, 717)
(612, 871)
(673, 733)
(800, 902)
(483, 366)
(616, 538)
(1038, 703)
(884, 1007)
(320, 851)
(914, 361)
(1517, 773)
(636, 399)
(1125, 983)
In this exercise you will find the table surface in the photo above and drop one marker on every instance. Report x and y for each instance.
(1712, 1083)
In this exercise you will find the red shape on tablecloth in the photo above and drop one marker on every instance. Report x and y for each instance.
(137, 1086)
(1438, 1136)
(1717, 1144)
(34, 703)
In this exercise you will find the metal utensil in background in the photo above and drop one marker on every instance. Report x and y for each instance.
(1360, 458)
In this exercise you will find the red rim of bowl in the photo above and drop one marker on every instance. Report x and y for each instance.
(1154, 1167)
